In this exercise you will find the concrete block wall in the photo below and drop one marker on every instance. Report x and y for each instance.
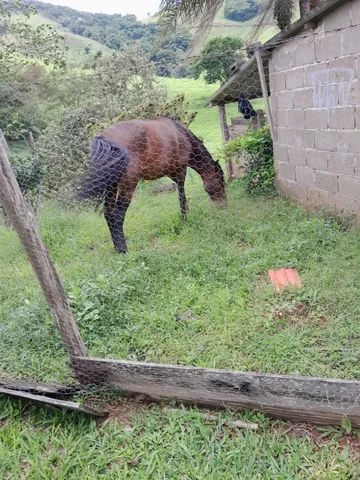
(315, 99)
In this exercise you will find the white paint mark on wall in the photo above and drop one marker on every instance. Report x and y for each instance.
(327, 92)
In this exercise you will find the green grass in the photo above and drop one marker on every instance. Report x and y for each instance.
(41, 444)
(214, 265)
(193, 293)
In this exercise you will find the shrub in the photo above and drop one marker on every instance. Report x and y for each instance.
(257, 149)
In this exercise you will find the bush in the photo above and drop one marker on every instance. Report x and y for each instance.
(257, 148)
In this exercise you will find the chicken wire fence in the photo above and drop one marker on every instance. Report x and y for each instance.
(86, 179)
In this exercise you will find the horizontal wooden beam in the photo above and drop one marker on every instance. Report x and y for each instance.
(305, 399)
(54, 402)
(40, 388)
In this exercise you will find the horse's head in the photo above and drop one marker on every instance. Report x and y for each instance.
(214, 184)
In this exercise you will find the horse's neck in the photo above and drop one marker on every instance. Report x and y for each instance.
(204, 167)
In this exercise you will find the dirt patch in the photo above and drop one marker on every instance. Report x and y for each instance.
(166, 188)
(296, 316)
(321, 438)
(123, 410)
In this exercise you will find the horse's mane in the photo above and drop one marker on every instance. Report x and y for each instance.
(199, 148)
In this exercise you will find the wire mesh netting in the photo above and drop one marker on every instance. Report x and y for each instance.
(122, 161)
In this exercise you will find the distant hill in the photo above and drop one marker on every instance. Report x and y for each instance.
(88, 33)
(113, 31)
(223, 26)
(79, 47)
(242, 10)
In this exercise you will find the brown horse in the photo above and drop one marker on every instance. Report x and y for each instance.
(130, 151)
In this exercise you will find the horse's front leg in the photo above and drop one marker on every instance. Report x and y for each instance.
(184, 207)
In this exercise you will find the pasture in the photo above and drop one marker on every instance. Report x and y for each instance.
(191, 293)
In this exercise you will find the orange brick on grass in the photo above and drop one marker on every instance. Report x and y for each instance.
(285, 277)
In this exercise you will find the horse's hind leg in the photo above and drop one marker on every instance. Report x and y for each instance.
(115, 216)
(116, 205)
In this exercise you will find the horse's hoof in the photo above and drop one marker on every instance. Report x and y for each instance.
(121, 250)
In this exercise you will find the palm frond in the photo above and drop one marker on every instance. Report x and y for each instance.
(197, 14)
(189, 10)
(283, 12)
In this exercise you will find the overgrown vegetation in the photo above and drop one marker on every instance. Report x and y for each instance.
(256, 150)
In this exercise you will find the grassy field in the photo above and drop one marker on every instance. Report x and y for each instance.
(191, 293)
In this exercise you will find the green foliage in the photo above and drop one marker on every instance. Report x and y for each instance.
(166, 55)
(28, 172)
(257, 148)
(23, 44)
(215, 60)
(241, 10)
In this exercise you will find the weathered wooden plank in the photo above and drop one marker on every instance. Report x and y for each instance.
(225, 136)
(264, 90)
(24, 223)
(30, 386)
(309, 399)
(50, 401)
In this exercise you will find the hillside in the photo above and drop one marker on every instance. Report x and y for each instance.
(243, 30)
(87, 33)
(223, 27)
(79, 47)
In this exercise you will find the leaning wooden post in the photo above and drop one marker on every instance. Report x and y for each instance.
(24, 223)
(225, 136)
(264, 90)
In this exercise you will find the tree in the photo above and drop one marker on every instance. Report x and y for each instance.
(24, 50)
(216, 59)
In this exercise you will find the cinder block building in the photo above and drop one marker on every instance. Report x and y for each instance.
(312, 74)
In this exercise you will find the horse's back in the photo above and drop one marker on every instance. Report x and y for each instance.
(157, 147)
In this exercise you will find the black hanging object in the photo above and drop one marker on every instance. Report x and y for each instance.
(245, 107)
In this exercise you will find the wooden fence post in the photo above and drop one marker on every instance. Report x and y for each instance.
(24, 223)
(225, 136)
(264, 91)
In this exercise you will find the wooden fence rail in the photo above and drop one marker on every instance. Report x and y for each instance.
(306, 399)
(23, 221)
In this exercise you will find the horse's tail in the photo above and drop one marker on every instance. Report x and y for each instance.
(109, 162)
